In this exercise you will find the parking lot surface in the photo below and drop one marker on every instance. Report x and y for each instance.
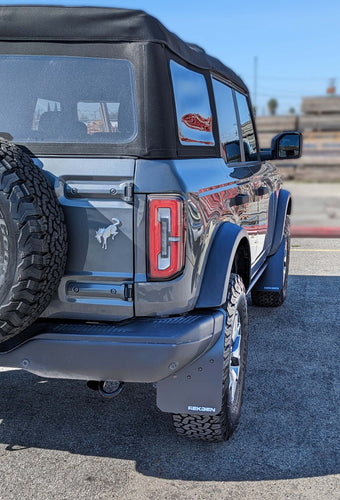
(60, 440)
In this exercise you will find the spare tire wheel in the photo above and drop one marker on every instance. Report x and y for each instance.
(33, 244)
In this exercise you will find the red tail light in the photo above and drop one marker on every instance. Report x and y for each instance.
(166, 236)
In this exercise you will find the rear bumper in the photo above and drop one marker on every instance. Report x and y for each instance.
(138, 350)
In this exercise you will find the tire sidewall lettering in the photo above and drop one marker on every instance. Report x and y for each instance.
(4, 248)
(8, 253)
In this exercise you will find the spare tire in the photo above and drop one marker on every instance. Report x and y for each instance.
(33, 244)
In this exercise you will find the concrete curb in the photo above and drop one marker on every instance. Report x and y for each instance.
(315, 232)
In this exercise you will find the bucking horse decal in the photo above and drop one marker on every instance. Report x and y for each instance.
(104, 233)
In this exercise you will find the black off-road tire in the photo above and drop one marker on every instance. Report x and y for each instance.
(33, 244)
(221, 426)
(276, 299)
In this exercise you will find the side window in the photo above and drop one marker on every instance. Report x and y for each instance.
(227, 122)
(247, 128)
(194, 118)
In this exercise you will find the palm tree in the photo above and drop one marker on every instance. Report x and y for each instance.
(272, 105)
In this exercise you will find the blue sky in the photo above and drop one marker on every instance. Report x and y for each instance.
(297, 42)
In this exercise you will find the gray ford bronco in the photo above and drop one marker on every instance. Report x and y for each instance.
(136, 211)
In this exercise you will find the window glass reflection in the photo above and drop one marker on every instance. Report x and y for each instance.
(247, 128)
(193, 110)
(227, 122)
(289, 146)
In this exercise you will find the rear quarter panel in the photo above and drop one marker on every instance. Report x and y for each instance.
(209, 188)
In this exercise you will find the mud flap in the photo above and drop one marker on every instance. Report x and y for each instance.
(197, 388)
(272, 278)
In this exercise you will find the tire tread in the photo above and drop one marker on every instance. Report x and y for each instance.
(42, 246)
(274, 299)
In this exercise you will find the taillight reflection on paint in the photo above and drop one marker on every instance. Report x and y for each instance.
(166, 236)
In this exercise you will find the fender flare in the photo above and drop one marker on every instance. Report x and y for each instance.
(214, 287)
(283, 207)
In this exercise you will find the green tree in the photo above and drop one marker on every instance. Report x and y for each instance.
(292, 111)
(272, 106)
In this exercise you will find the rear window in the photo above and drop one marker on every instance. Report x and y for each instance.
(51, 99)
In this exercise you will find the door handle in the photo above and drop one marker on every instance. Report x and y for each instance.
(261, 191)
(240, 199)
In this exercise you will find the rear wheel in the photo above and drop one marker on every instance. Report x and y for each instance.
(276, 299)
(221, 426)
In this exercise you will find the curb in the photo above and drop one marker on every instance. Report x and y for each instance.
(314, 232)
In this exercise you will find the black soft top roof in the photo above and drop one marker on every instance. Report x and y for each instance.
(37, 23)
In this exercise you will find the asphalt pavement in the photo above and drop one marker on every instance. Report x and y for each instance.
(60, 440)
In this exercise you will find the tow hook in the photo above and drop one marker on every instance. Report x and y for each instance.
(108, 389)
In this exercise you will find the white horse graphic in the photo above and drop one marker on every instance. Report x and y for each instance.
(105, 233)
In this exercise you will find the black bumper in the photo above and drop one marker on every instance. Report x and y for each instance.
(138, 350)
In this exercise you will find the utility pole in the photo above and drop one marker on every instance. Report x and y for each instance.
(255, 83)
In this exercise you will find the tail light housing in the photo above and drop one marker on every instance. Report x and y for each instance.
(166, 249)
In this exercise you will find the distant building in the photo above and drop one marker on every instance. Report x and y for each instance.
(320, 124)
(320, 114)
(269, 126)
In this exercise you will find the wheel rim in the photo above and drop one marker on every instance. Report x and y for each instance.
(235, 356)
(4, 254)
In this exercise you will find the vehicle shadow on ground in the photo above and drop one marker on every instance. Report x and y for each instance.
(289, 426)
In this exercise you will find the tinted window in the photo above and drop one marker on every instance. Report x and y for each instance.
(227, 122)
(194, 118)
(67, 99)
(247, 128)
